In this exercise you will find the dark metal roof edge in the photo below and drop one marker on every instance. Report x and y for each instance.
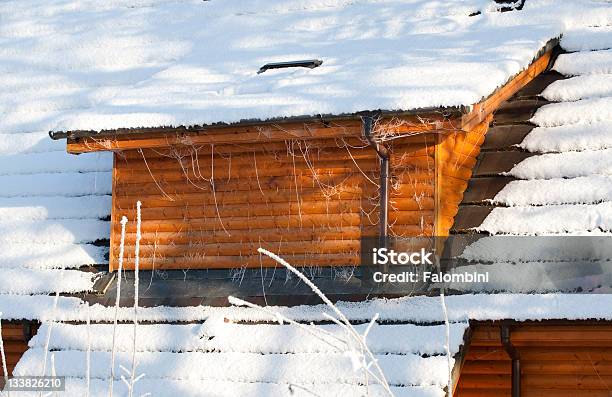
(446, 111)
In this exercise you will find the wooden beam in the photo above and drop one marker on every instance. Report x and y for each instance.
(261, 133)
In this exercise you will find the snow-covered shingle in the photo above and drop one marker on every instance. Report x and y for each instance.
(567, 191)
(129, 63)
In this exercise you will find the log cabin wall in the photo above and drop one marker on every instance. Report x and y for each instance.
(15, 339)
(311, 200)
(558, 358)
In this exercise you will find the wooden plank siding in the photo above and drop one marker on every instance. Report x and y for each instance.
(15, 344)
(210, 206)
(558, 358)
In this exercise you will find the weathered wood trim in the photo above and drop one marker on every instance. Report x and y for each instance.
(252, 134)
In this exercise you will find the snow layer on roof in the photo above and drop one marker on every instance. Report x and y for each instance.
(567, 191)
(194, 388)
(54, 231)
(540, 277)
(58, 184)
(48, 256)
(572, 137)
(52, 208)
(550, 248)
(413, 359)
(89, 65)
(587, 38)
(564, 165)
(35, 142)
(579, 87)
(217, 335)
(33, 281)
(579, 63)
(416, 309)
(549, 219)
(305, 368)
(583, 111)
(590, 189)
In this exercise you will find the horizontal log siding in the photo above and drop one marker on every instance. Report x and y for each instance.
(309, 200)
(15, 344)
(565, 359)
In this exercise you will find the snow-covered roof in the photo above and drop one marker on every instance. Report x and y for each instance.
(565, 188)
(53, 208)
(221, 358)
(87, 65)
(91, 65)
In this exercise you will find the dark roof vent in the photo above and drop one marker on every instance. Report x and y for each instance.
(309, 63)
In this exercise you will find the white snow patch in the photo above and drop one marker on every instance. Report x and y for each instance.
(51, 162)
(217, 335)
(542, 248)
(24, 281)
(551, 219)
(582, 111)
(564, 165)
(589, 62)
(587, 39)
(163, 387)
(54, 207)
(67, 66)
(540, 277)
(582, 190)
(572, 137)
(54, 231)
(58, 184)
(29, 142)
(418, 309)
(579, 87)
(48, 256)
(244, 367)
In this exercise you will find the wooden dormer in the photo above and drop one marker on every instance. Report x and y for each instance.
(307, 188)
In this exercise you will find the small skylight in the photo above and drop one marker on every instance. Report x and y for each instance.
(308, 63)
